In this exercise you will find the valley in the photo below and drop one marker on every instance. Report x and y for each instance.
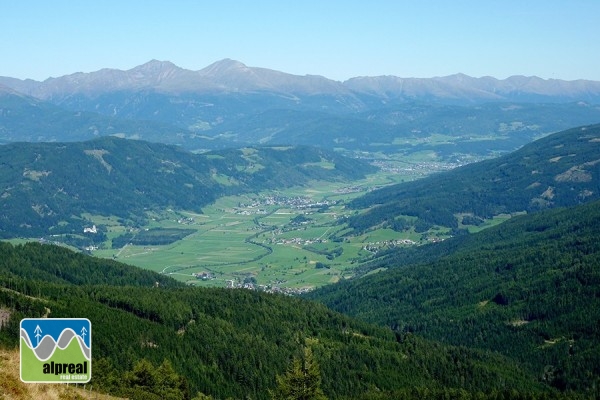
(295, 238)
(413, 238)
(287, 240)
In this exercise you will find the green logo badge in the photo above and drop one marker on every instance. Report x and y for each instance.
(56, 350)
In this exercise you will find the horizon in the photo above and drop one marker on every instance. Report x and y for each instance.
(337, 40)
(257, 66)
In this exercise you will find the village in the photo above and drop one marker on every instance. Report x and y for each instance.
(416, 169)
(257, 205)
(231, 284)
(386, 244)
(250, 283)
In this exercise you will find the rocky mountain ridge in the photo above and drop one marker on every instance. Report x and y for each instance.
(228, 76)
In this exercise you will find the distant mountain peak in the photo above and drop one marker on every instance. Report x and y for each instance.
(155, 65)
(224, 66)
(154, 72)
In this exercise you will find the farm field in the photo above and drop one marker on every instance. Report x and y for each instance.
(248, 239)
(290, 240)
(287, 239)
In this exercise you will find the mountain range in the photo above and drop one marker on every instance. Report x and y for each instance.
(230, 76)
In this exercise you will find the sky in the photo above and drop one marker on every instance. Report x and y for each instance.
(336, 39)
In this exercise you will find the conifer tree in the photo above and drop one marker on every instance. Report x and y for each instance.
(301, 381)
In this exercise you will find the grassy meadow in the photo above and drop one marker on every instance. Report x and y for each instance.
(257, 238)
(288, 239)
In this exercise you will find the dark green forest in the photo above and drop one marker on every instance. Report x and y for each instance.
(560, 170)
(61, 181)
(234, 343)
(528, 289)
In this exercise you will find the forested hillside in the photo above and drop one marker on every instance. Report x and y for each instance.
(410, 126)
(25, 119)
(233, 343)
(46, 187)
(528, 288)
(56, 264)
(562, 169)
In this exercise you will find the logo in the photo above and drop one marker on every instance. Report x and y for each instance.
(56, 350)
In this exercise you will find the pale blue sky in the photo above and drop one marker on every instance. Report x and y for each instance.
(336, 39)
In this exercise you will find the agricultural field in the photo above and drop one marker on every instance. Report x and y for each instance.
(292, 240)
(247, 239)
(289, 239)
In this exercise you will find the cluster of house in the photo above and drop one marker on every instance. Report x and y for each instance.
(232, 284)
(376, 246)
(90, 230)
(298, 202)
(205, 276)
(416, 169)
(185, 220)
(297, 241)
(350, 189)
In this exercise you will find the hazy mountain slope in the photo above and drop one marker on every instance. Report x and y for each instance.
(214, 121)
(26, 119)
(495, 126)
(47, 186)
(559, 170)
(460, 88)
(529, 288)
(316, 128)
(484, 129)
(229, 101)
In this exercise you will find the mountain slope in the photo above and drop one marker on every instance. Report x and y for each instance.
(485, 130)
(63, 266)
(528, 288)
(212, 121)
(12, 388)
(460, 88)
(559, 170)
(233, 343)
(27, 119)
(45, 187)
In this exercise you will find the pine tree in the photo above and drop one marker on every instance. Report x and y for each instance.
(301, 381)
